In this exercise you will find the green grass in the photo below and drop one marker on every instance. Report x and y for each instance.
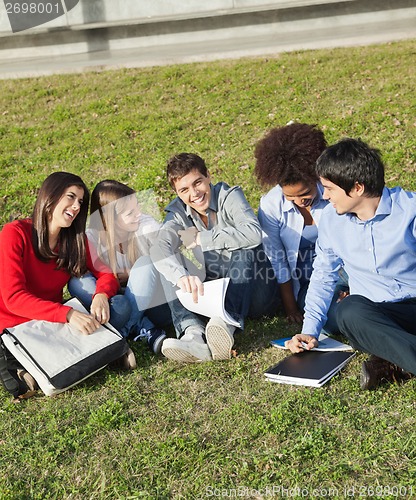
(171, 431)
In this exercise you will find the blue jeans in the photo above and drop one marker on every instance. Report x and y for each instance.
(84, 288)
(331, 325)
(252, 291)
(146, 297)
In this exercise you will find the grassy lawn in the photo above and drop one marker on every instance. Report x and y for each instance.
(215, 429)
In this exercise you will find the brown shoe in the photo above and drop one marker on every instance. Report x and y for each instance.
(126, 362)
(129, 361)
(28, 380)
(376, 371)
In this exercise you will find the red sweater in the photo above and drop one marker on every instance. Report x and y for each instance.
(30, 288)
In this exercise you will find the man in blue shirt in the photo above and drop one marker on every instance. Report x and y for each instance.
(371, 231)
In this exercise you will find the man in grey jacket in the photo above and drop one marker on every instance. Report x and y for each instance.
(216, 224)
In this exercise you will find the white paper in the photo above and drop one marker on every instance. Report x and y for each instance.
(326, 344)
(211, 304)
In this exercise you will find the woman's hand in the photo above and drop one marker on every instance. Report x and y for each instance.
(294, 316)
(84, 323)
(100, 308)
(293, 313)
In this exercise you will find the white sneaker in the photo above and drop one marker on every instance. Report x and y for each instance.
(190, 348)
(220, 338)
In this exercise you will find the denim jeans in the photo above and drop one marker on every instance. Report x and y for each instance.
(84, 288)
(252, 291)
(146, 296)
(143, 304)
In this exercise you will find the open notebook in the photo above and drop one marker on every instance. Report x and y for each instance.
(325, 344)
(211, 304)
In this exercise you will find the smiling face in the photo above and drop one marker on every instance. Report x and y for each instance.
(66, 209)
(340, 200)
(194, 190)
(128, 218)
(301, 194)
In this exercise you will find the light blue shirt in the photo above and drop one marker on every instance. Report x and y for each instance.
(282, 226)
(379, 256)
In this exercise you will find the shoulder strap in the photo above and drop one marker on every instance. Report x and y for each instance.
(10, 382)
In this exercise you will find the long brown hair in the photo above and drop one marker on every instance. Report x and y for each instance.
(108, 199)
(71, 243)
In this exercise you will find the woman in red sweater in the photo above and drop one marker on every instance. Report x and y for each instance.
(39, 256)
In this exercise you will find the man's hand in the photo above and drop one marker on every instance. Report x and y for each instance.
(188, 237)
(301, 342)
(84, 323)
(100, 308)
(191, 284)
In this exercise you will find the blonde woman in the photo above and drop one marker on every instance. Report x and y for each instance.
(120, 236)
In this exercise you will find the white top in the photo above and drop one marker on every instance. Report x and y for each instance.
(146, 236)
(282, 225)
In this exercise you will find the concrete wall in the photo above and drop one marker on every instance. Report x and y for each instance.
(78, 13)
(88, 26)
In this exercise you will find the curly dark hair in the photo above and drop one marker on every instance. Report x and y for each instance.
(287, 155)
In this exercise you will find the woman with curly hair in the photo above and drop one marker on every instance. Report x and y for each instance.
(289, 213)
